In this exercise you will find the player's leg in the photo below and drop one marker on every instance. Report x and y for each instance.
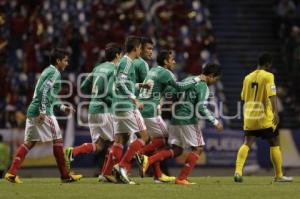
(158, 133)
(115, 153)
(242, 156)
(276, 158)
(31, 136)
(21, 153)
(174, 140)
(131, 122)
(97, 126)
(191, 137)
(190, 163)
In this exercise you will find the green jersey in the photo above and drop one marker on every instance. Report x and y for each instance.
(160, 79)
(141, 69)
(124, 86)
(98, 84)
(192, 102)
(45, 92)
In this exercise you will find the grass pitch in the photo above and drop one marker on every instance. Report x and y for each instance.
(207, 187)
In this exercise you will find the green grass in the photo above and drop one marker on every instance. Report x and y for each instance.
(207, 187)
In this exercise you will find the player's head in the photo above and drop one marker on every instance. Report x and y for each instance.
(212, 73)
(59, 58)
(113, 52)
(265, 60)
(165, 58)
(147, 48)
(133, 45)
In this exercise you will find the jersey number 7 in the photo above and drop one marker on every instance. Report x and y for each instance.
(255, 86)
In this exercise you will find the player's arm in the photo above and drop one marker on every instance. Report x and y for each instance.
(271, 93)
(181, 86)
(203, 110)
(120, 84)
(87, 84)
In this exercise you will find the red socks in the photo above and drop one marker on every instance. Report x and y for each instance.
(19, 157)
(84, 148)
(114, 157)
(58, 151)
(156, 170)
(160, 156)
(154, 145)
(134, 147)
(190, 163)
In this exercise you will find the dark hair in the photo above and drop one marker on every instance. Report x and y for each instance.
(131, 43)
(211, 69)
(1, 138)
(162, 56)
(264, 59)
(57, 53)
(146, 40)
(111, 51)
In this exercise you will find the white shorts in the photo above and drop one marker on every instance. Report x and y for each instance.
(129, 122)
(45, 132)
(156, 127)
(186, 136)
(101, 125)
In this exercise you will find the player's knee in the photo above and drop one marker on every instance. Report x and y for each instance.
(143, 135)
(29, 144)
(58, 141)
(198, 150)
(177, 150)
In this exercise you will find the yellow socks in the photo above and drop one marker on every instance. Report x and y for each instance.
(241, 158)
(276, 158)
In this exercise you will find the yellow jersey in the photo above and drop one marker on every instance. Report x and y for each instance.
(258, 87)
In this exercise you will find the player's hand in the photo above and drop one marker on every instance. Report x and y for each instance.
(69, 109)
(139, 104)
(41, 118)
(276, 119)
(219, 127)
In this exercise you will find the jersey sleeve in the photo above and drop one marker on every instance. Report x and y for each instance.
(169, 79)
(202, 97)
(86, 85)
(48, 84)
(243, 92)
(141, 72)
(270, 86)
(122, 78)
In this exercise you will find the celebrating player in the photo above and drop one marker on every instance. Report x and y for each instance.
(159, 78)
(185, 132)
(41, 124)
(101, 123)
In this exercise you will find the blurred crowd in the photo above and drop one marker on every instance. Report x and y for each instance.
(29, 29)
(288, 31)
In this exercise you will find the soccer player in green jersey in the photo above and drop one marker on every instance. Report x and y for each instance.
(140, 64)
(160, 78)
(98, 84)
(41, 124)
(184, 131)
(125, 107)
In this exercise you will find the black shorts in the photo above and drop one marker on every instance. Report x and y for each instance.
(265, 134)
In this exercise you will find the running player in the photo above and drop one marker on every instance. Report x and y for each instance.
(184, 131)
(99, 85)
(260, 117)
(41, 124)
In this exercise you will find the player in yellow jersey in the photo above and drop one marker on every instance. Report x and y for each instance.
(260, 117)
